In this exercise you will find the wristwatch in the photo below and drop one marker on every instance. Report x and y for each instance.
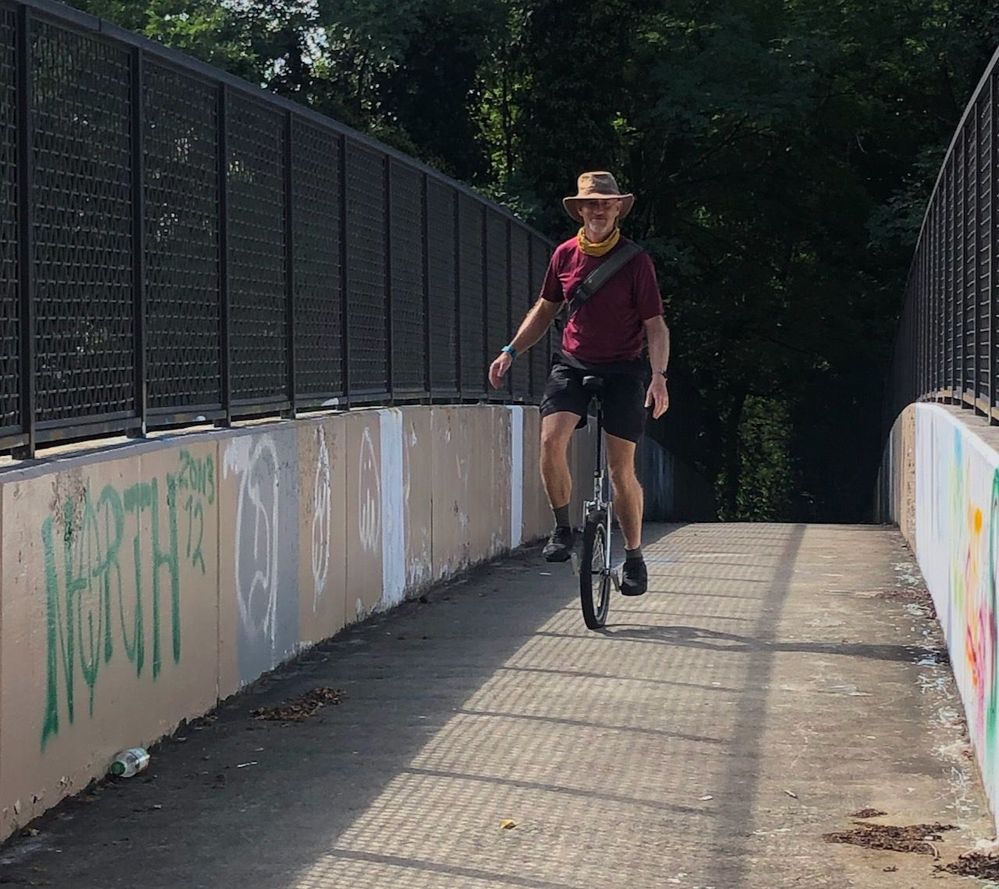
(511, 351)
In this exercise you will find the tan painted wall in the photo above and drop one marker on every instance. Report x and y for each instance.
(139, 586)
(940, 478)
(897, 480)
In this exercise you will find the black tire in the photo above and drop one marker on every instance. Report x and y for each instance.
(594, 582)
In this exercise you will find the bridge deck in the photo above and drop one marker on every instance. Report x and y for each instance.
(775, 680)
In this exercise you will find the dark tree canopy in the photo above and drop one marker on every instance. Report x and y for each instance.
(782, 154)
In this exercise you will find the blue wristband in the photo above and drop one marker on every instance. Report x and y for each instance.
(511, 351)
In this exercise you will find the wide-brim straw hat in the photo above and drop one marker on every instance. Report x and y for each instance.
(597, 186)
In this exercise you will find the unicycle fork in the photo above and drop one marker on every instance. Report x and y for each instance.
(594, 567)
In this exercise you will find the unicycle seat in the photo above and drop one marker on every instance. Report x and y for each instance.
(593, 385)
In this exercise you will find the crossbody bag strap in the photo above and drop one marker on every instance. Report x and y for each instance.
(601, 274)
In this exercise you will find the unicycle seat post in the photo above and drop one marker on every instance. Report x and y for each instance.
(594, 387)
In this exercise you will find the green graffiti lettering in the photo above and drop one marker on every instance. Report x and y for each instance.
(170, 560)
(54, 641)
(80, 593)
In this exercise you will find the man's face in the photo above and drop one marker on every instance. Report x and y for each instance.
(600, 213)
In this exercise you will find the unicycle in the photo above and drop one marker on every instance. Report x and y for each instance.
(595, 574)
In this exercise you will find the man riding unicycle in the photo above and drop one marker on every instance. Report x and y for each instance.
(615, 313)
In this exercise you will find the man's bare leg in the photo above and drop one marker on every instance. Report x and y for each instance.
(556, 431)
(629, 504)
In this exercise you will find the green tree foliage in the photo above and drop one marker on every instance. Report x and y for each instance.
(782, 154)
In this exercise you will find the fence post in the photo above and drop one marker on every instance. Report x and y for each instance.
(509, 300)
(530, 285)
(387, 223)
(26, 365)
(344, 300)
(993, 246)
(976, 287)
(225, 332)
(964, 272)
(459, 346)
(139, 238)
(425, 247)
(483, 386)
(952, 282)
(939, 329)
(289, 265)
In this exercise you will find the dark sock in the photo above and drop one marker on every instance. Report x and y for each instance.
(561, 515)
(635, 553)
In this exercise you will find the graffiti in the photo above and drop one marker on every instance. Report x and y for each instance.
(990, 706)
(94, 611)
(197, 479)
(369, 496)
(321, 519)
(957, 530)
(255, 461)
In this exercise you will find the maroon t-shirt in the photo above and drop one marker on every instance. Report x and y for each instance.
(609, 326)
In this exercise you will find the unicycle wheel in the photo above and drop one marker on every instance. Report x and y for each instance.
(594, 579)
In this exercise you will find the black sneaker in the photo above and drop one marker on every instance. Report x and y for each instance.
(634, 577)
(560, 544)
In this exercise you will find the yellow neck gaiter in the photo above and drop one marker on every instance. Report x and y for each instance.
(599, 248)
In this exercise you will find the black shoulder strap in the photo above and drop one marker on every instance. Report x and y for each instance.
(601, 274)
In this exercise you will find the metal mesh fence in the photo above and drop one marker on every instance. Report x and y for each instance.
(970, 254)
(540, 353)
(10, 349)
(521, 300)
(406, 245)
(82, 225)
(497, 291)
(197, 247)
(181, 241)
(470, 290)
(316, 234)
(960, 263)
(983, 236)
(948, 333)
(366, 289)
(442, 284)
(256, 262)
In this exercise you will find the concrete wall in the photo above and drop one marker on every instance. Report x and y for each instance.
(940, 483)
(140, 585)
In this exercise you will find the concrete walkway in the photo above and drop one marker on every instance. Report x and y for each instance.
(775, 679)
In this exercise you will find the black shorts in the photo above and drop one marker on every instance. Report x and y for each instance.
(623, 399)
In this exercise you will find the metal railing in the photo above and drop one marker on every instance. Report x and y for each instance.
(177, 245)
(948, 335)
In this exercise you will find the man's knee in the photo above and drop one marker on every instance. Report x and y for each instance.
(621, 466)
(623, 474)
(556, 431)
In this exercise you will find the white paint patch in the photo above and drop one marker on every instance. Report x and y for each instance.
(516, 475)
(368, 496)
(255, 461)
(321, 519)
(393, 509)
(418, 564)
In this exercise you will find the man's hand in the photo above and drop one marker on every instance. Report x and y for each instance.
(498, 369)
(657, 397)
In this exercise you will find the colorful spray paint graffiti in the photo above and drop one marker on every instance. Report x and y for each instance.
(957, 533)
(94, 611)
